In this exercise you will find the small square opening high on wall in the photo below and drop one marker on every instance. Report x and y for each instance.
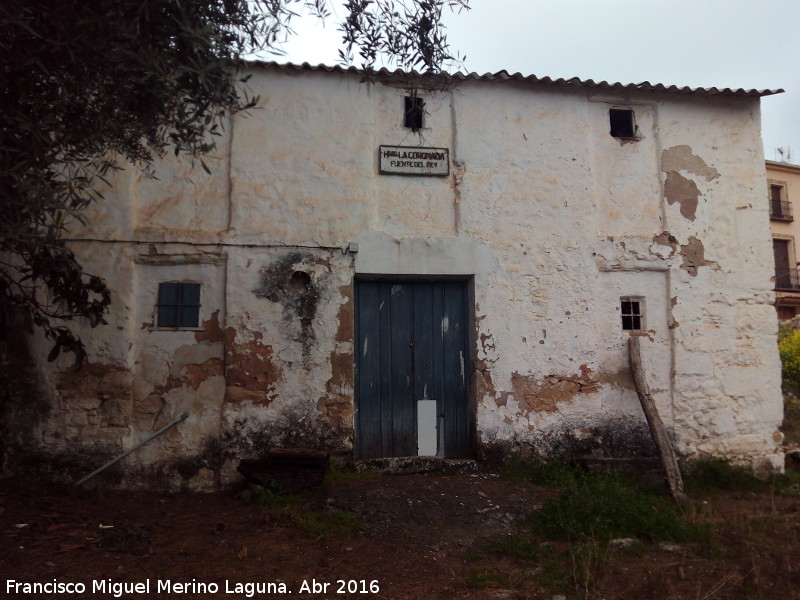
(622, 124)
(414, 109)
(632, 312)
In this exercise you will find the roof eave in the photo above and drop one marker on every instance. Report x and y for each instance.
(502, 76)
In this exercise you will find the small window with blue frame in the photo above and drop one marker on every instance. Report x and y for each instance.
(178, 305)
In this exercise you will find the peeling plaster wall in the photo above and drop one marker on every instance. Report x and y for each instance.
(726, 389)
(551, 218)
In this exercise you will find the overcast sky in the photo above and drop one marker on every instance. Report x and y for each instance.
(708, 43)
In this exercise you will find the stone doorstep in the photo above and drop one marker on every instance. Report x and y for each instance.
(411, 465)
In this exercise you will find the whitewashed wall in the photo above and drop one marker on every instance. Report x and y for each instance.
(552, 218)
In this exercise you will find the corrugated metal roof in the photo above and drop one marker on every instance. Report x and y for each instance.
(645, 86)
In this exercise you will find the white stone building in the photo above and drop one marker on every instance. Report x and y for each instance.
(486, 242)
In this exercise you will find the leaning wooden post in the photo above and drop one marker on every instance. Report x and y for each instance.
(665, 450)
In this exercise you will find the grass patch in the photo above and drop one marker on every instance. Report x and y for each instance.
(555, 575)
(288, 510)
(524, 546)
(592, 506)
(587, 561)
(556, 472)
(271, 497)
(313, 522)
(787, 480)
(716, 475)
(751, 528)
(339, 474)
(480, 579)
(472, 555)
(605, 506)
(327, 523)
(711, 477)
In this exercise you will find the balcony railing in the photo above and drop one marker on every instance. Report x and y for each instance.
(788, 281)
(780, 210)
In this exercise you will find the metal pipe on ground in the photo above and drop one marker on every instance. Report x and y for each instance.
(139, 445)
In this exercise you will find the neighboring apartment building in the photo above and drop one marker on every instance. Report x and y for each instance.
(783, 194)
(421, 266)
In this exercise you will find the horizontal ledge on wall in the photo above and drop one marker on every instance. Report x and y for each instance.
(180, 259)
(637, 266)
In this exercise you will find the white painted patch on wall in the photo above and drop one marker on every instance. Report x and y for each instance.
(445, 324)
(426, 428)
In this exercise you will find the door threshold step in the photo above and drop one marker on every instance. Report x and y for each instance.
(410, 465)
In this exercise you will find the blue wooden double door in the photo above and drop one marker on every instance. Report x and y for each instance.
(411, 344)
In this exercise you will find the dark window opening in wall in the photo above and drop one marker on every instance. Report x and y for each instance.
(178, 305)
(632, 311)
(780, 209)
(622, 123)
(786, 275)
(414, 107)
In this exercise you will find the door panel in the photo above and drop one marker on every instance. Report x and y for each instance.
(368, 372)
(411, 344)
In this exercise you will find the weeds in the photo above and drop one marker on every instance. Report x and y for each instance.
(554, 574)
(487, 578)
(710, 477)
(524, 546)
(327, 523)
(286, 510)
(716, 475)
(556, 473)
(338, 474)
(593, 509)
(270, 497)
(587, 560)
(606, 506)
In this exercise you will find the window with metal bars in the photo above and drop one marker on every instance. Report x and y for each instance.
(632, 312)
(178, 305)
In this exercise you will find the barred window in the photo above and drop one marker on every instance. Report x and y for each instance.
(632, 311)
(178, 304)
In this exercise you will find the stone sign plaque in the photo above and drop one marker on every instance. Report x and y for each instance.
(410, 160)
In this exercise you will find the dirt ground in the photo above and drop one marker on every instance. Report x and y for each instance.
(398, 537)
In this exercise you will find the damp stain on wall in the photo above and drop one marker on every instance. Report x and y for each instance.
(288, 282)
